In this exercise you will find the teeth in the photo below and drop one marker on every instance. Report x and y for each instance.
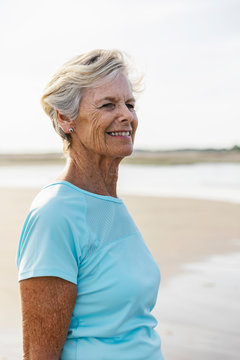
(122, 133)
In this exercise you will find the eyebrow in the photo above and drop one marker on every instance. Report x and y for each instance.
(112, 99)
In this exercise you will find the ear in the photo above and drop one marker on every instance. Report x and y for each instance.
(64, 122)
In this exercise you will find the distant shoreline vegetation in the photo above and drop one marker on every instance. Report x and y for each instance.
(140, 157)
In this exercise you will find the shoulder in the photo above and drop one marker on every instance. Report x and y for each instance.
(56, 213)
(53, 235)
(58, 201)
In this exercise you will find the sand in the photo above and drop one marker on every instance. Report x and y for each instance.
(178, 232)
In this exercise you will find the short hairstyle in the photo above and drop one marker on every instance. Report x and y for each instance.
(64, 91)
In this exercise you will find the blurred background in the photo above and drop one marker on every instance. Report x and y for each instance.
(182, 184)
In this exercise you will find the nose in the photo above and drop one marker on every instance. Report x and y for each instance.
(125, 114)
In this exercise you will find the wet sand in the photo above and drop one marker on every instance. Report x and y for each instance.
(199, 310)
(187, 238)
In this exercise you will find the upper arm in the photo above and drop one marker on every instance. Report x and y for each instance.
(48, 245)
(47, 305)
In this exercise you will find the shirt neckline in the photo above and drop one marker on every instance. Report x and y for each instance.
(85, 192)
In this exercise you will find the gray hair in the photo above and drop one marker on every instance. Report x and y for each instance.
(64, 91)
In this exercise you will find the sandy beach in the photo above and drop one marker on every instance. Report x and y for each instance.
(196, 244)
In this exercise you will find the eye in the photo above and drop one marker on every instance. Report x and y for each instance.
(130, 106)
(108, 106)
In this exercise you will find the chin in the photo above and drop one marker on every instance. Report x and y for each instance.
(127, 151)
(123, 155)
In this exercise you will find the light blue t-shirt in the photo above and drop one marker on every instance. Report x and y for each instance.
(92, 241)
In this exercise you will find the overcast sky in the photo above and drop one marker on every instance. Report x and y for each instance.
(189, 51)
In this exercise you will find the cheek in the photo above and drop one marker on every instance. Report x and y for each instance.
(135, 122)
(96, 132)
(92, 126)
(96, 125)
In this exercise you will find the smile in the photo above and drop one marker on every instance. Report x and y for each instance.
(119, 133)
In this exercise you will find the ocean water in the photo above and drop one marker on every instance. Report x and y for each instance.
(206, 181)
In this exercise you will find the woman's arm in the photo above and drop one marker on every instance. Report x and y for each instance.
(47, 305)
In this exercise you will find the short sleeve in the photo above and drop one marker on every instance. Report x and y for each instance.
(48, 245)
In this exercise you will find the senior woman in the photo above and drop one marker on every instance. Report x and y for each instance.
(88, 283)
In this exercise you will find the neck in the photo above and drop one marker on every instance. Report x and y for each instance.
(92, 172)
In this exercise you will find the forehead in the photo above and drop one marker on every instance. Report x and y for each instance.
(118, 88)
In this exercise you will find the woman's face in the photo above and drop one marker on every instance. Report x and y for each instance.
(107, 121)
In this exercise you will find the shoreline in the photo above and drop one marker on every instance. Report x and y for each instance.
(139, 157)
